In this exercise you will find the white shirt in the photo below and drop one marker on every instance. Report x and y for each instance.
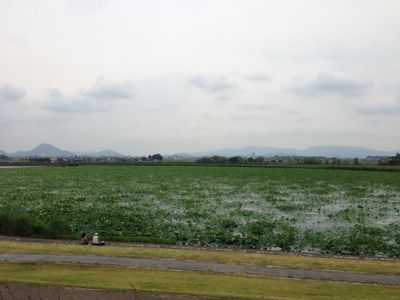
(95, 239)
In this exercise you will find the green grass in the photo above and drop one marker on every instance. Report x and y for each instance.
(191, 283)
(334, 211)
(236, 257)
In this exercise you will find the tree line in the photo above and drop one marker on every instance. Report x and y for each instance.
(216, 159)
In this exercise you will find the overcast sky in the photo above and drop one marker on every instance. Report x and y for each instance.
(172, 76)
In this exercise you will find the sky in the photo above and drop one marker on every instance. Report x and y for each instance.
(175, 76)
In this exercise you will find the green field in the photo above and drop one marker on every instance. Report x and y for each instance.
(335, 211)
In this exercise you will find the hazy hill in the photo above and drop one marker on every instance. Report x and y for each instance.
(349, 152)
(109, 152)
(44, 150)
(327, 151)
(47, 150)
(104, 153)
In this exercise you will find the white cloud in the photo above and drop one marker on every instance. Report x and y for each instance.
(107, 90)
(213, 83)
(330, 85)
(385, 109)
(11, 93)
(98, 97)
(258, 76)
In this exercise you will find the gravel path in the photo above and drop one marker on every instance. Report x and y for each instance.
(172, 264)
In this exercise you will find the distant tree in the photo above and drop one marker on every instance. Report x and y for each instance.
(312, 161)
(235, 159)
(4, 157)
(219, 159)
(203, 160)
(356, 161)
(395, 160)
(212, 160)
(259, 159)
(143, 158)
(40, 159)
(157, 156)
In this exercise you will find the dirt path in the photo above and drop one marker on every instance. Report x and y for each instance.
(172, 264)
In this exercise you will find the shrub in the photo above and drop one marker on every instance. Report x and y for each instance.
(57, 228)
(7, 223)
(23, 226)
(12, 223)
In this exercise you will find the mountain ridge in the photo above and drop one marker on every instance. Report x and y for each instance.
(48, 150)
(326, 151)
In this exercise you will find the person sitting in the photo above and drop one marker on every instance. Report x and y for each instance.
(84, 239)
(96, 240)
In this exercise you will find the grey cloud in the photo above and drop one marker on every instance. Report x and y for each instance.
(327, 85)
(249, 116)
(103, 89)
(72, 107)
(380, 110)
(153, 109)
(59, 103)
(213, 83)
(98, 97)
(223, 98)
(10, 93)
(6, 121)
(258, 76)
(54, 93)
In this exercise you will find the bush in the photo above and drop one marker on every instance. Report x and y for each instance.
(58, 228)
(364, 240)
(285, 236)
(23, 226)
(12, 223)
(7, 224)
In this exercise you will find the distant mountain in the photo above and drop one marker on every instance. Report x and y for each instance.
(86, 153)
(110, 153)
(44, 150)
(327, 151)
(47, 150)
(247, 151)
(345, 152)
(104, 153)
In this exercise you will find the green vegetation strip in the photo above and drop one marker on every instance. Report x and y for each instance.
(236, 257)
(294, 209)
(191, 283)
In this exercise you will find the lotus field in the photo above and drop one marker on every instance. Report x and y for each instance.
(322, 210)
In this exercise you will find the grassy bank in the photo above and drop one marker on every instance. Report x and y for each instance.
(236, 257)
(190, 283)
